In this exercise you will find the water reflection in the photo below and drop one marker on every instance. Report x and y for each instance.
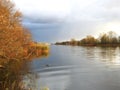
(30, 80)
(52, 78)
(109, 55)
(76, 68)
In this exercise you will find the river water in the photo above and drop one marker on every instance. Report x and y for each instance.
(77, 68)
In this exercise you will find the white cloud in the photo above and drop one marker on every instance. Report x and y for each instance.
(78, 16)
(70, 9)
(54, 8)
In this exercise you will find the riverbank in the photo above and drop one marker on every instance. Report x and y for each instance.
(12, 70)
(35, 49)
(92, 45)
(105, 39)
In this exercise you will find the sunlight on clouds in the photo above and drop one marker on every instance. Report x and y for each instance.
(104, 27)
(112, 26)
(71, 9)
(44, 7)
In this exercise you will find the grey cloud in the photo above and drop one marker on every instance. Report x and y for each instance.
(41, 26)
(103, 10)
(44, 19)
(36, 22)
(43, 30)
(79, 24)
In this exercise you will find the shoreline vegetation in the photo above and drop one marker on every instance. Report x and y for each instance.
(109, 39)
(35, 49)
(16, 47)
(32, 49)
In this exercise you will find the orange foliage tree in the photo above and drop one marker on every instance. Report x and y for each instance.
(13, 36)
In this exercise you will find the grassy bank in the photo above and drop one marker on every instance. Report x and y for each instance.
(13, 70)
(35, 49)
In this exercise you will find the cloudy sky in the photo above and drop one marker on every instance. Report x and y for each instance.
(59, 20)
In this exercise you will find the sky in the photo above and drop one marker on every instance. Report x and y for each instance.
(59, 20)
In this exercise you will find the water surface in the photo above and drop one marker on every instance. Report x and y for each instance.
(78, 68)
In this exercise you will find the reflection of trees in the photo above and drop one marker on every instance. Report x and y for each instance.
(90, 52)
(105, 54)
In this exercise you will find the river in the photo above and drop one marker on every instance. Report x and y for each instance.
(77, 68)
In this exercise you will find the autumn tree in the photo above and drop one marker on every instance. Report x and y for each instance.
(112, 37)
(73, 42)
(108, 38)
(89, 40)
(119, 39)
(13, 36)
(103, 38)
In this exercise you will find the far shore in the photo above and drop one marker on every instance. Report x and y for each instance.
(105, 39)
(92, 45)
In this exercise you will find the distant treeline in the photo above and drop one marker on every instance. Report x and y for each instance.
(105, 39)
